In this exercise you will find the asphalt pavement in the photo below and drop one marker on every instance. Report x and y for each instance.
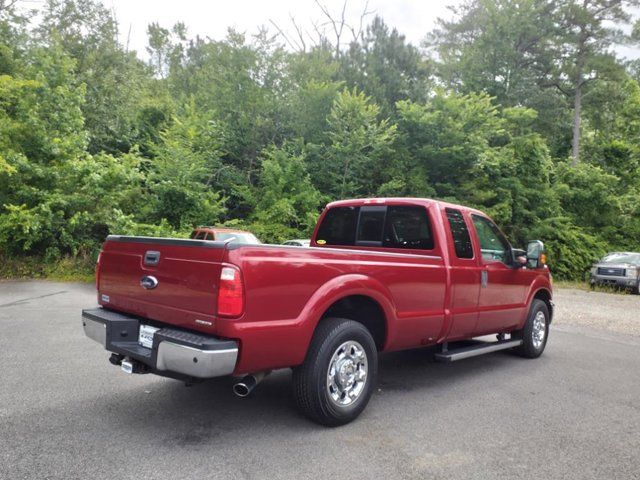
(66, 413)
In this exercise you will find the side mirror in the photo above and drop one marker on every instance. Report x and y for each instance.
(536, 258)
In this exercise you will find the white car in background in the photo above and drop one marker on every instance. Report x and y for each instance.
(300, 242)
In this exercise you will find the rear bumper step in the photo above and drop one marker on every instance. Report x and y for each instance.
(479, 348)
(174, 351)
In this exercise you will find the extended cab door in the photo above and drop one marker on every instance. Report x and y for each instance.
(503, 288)
(464, 275)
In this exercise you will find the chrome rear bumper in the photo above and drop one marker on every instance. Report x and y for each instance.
(194, 362)
(174, 351)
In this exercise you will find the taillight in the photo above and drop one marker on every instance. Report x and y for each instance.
(230, 293)
(98, 271)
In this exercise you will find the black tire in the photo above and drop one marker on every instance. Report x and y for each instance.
(310, 379)
(529, 349)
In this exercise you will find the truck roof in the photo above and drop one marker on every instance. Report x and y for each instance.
(398, 201)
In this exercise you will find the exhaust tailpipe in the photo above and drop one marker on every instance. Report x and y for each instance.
(246, 385)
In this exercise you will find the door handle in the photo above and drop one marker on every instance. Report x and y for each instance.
(484, 278)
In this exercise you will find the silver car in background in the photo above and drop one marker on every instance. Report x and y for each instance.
(621, 269)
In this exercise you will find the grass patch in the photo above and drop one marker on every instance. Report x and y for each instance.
(582, 285)
(68, 269)
(577, 284)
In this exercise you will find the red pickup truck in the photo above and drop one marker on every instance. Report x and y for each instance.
(380, 275)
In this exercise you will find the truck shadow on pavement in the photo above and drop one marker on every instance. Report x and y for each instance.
(168, 412)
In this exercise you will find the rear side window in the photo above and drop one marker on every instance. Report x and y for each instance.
(460, 233)
(408, 227)
(338, 226)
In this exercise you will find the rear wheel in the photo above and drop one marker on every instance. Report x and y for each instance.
(535, 332)
(335, 382)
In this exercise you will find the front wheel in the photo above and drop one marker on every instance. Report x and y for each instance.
(535, 332)
(335, 382)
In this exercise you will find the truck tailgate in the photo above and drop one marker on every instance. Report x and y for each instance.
(172, 281)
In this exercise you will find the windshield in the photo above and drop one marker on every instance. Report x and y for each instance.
(622, 258)
(238, 237)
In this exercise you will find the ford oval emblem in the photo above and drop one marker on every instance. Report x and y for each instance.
(148, 282)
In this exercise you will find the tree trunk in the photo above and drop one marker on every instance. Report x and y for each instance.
(344, 178)
(577, 96)
(577, 106)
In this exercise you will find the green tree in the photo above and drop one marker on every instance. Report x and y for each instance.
(180, 176)
(502, 47)
(386, 68)
(446, 137)
(513, 181)
(357, 159)
(241, 131)
(114, 78)
(582, 51)
(496, 46)
(287, 203)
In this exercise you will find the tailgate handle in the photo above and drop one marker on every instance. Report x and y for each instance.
(151, 257)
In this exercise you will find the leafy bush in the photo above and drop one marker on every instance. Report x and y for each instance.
(570, 250)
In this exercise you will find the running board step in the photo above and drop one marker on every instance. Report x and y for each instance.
(475, 350)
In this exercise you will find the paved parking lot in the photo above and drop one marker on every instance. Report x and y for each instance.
(66, 413)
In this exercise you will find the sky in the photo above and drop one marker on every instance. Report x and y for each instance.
(211, 18)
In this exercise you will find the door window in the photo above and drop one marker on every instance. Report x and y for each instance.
(460, 233)
(493, 245)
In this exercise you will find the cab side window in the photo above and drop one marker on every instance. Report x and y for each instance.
(493, 245)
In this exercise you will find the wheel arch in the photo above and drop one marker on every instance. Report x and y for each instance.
(356, 297)
(544, 295)
(362, 309)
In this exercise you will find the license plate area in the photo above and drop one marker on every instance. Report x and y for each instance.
(145, 336)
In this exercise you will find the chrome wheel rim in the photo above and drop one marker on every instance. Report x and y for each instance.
(539, 330)
(347, 373)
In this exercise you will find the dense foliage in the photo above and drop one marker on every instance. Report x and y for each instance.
(517, 107)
